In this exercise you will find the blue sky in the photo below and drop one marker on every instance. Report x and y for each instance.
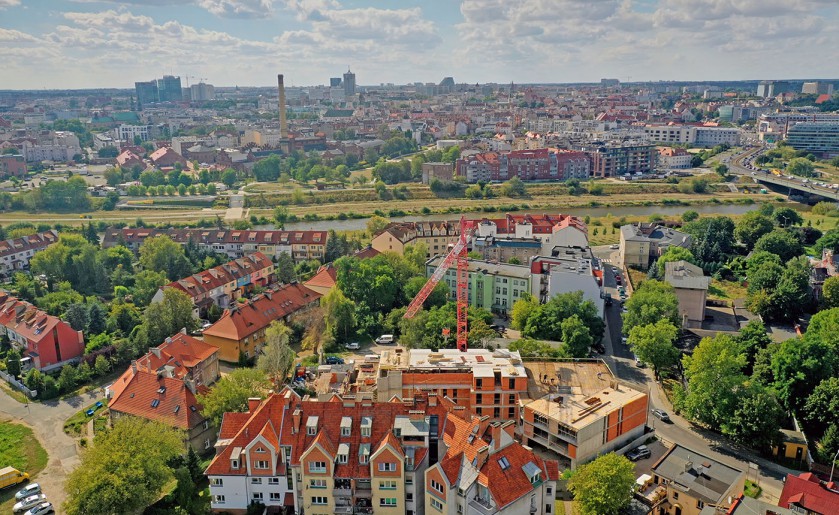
(112, 43)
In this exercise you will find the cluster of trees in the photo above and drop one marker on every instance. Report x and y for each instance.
(651, 324)
(603, 486)
(565, 318)
(301, 167)
(55, 195)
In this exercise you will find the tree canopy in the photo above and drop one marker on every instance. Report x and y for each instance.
(653, 344)
(603, 486)
(231, 392)
(651, 302)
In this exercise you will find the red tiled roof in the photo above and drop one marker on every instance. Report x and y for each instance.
(216, 236)
(27, 320)
(451, 464)
(275, 303)
(206, 281)
(33, 242)
(231, 423)
(807, 491)
(326, 277)
(163, 399)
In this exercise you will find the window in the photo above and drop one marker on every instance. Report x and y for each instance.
(319, 500)
(261, 465)
(206, 425)
(311, 430)
(363, 459)
(409, 497)
(511, 413)
(218, 499)
(387, 501)
(317, 483)
(234, 464)
(549, 491)
(387, 485)
(317, 467)
(409, 480)
(503, 463)
(387, 467)
(479, 383)
(675, 495)
(437, 504)
(699, 505)
(207, 443)
(257, 496)
(275, 496)
(512, 398)
(345, 431)
(256, 480)
(273, 481)
(511, 384)
(479, 399)
(460, 508)
(216, 481)
(342, 458)
(436, 486)
(547, 508)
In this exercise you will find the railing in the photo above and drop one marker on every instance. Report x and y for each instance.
(343, 510)
(482, 506)
(341, 492)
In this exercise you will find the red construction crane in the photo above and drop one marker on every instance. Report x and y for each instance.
(456, 254)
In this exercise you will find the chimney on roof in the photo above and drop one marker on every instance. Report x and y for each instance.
(189, 383)
(253, 403)
(295, 419)
(134, 366)
(283, 123)
(481, 457)
(496, 437)
(156, 350)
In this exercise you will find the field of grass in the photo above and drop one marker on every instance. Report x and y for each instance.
(726, 290)
(20, 449)
(75, 425)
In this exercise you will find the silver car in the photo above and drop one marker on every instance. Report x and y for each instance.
(29, 502)
(28, 490)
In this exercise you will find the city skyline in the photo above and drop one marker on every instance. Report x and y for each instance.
(47, 44)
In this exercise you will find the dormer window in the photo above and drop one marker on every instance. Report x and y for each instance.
(366, 426)
(343, 453)
(312, 426)
(346, 426)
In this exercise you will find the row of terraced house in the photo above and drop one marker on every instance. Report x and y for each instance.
(300, 245)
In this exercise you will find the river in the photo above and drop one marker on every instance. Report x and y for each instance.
(618, 211)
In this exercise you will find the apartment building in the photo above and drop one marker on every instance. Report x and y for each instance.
(58, 146)
(774, 126)
(436, 235)
(693, 134)
(166, 157)
(241, 328)
(588, 413)
(45, 341)
(12, 165)
(819, 138)
(670, 158)
(162, 385)
(488, 383)
(613, 160)
(691, 288)
(301, 245)
(341, 456)
(566, 270)
(486, 472)
(540, 164)
(642, 242)
(492, 285)
(806, 493)
(693, 481)
(224, 284)
(15, 253)
(439, 171)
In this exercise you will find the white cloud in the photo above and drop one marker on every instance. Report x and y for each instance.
(9, 3)
(15, 36)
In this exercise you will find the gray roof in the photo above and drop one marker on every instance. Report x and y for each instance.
(698, 475)
(749, 506)
(682, 274)
(663, 236)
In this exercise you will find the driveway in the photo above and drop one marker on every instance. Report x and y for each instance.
(47, 421)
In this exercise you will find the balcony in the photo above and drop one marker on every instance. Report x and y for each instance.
(343, 510)
(341, 492)
(482, 506)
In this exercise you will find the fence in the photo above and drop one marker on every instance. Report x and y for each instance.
(17, 384)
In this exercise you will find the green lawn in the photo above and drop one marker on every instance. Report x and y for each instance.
(20, 449)
(726, 290)
(75, 425)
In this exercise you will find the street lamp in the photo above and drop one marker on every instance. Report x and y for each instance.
(832, 465)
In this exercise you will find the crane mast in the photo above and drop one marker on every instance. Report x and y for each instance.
(456, 256)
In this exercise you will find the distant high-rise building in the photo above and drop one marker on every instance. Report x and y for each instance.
(335, 82)
(817, 88)
(146, 93)
(609, 82)
(169, 89)
(447, 82)
(349, 83)
(202, 91)
(773, 88)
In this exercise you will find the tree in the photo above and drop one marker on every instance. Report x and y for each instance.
(521, 311)
(370, 283)
(376, 224)
(714, 381)
(544, 321)
(603, 486)
(161, 254)
(96, 318)
(340, 314)
(787, 216)
(752, 339)
(799, 365)
(801, 166)
(829, 444)
(751, 227)
(281, 216)
(101, 366)
(576, 339)
(108, 152)
(781, 242)
(653, 344)
(118, 256)
(277, 357)
(822, 405)
(170, 315)
(438, 296)
(146, 284)
(689, 215)
(721, 169)
(756, 420)
(125, 470)
(514, 188)
(67, 378)
(13, 358)
(674, 254)
(285, 268)
(77, 316)
(651, 302)
(530, 348)
(713, 238)
(231, 393)
(228, 177)
(829, 240)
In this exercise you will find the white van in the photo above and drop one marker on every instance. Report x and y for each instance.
(371, 358)
(385, 339)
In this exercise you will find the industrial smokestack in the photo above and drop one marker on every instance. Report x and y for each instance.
(283, 123)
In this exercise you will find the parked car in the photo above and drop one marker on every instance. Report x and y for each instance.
(385, 339)
(623, 340)
(41, 509)
(639, 363)
(28, 490)
(662, 415)
(599, 348)
(639, 453)
(353, 346)
(614, 246)
(334, 360)
(29, 502)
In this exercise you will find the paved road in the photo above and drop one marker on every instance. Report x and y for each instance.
(47, 421)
